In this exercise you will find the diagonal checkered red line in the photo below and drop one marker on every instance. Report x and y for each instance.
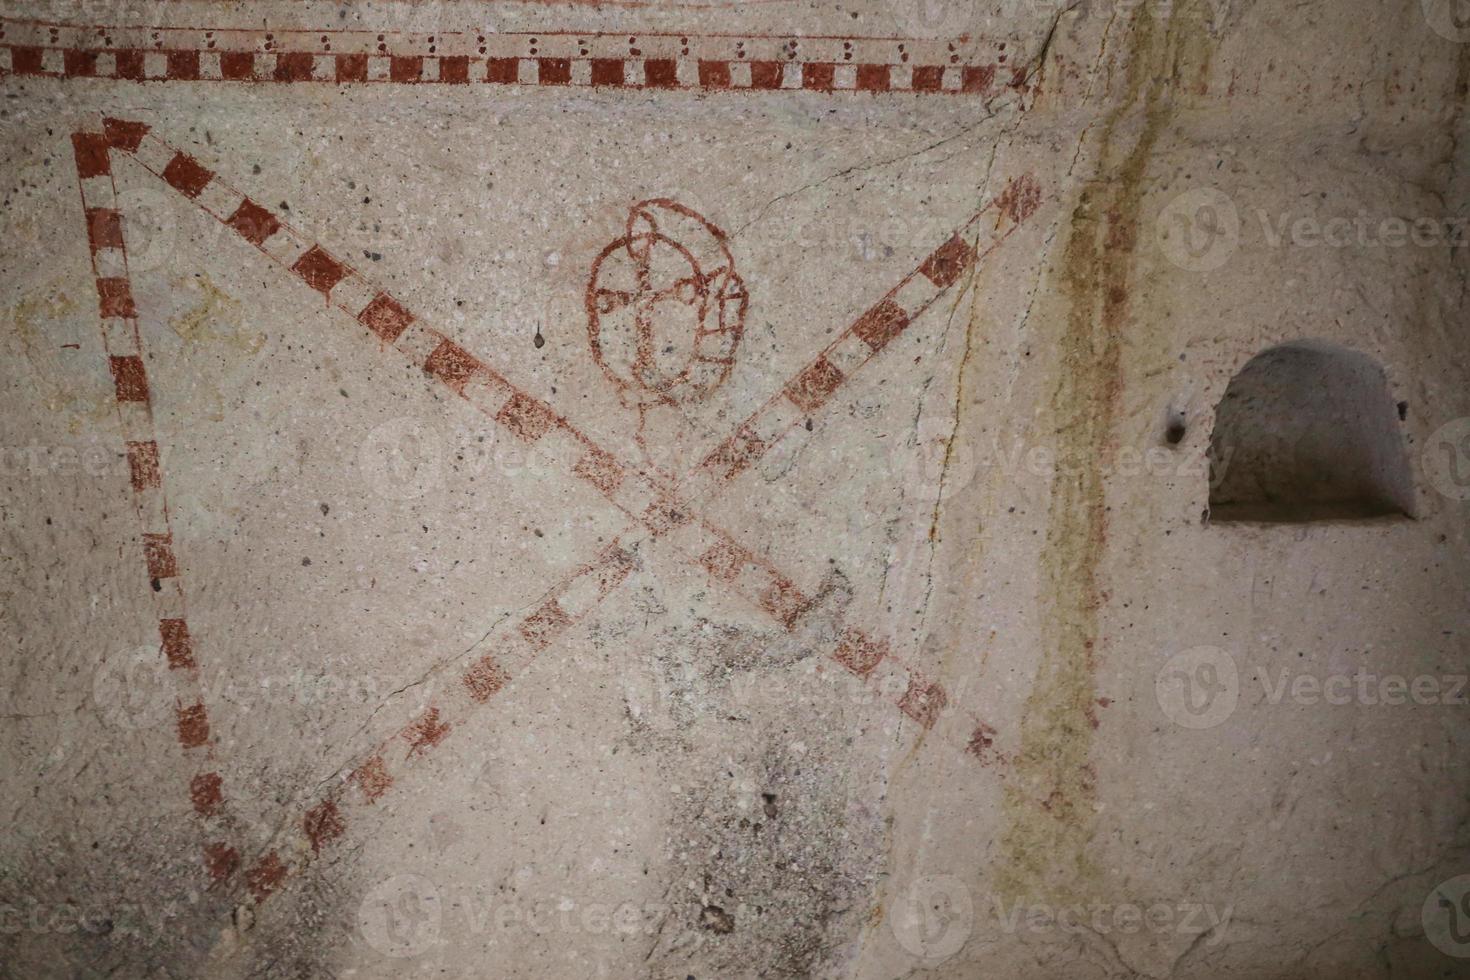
(122, 342)
(660, 513)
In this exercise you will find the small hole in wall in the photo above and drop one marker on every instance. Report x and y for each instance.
(1307, 431)
(1175, 429)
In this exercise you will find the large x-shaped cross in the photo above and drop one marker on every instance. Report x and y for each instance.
(661, 516)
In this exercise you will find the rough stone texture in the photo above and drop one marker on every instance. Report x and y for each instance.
(957, 679)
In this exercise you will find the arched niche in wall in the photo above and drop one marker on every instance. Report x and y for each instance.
(1307, 431)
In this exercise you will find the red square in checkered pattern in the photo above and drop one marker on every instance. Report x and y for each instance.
(526, 417)
(405, 68)
(79, 64)
(923, 702)
(104, 228)
(352, 67)
(115, 298)
(660, 73)
(158, 549)
(928, 78)
(485, 678)
(735, 454)
(607, 71)
(183, 66)
(237, 65)
(601, 470)
(554, 71)
(765, 74)
(129, 378)
(454, 70)
(714, 74)
(815, 385)
(177, 646)
(385, 317)
(541, 627)
(858, 653)
(90, 150)
(948, 262)
(872, 78)
(254, 223)
(185, 174)
(295, 66)
(881, 324)
(504, 71)
(724, 560)
(319, 270)
(452, 364)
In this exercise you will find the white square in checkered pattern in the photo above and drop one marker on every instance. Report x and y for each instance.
(155, 64)
(111, 263)
(154, 154)
(151, 507)
(559, 450)
(208, 65)
(528, 71)
(353, 293)
(740, 74)
(119, 338)
(915, 293)
(791, 75)
(97, 192)
(418, 342)
(479, 70)
(753, 581)
(106, 64)
(581, 595)
(265, 67)
(774, 419)
(890, 678)
(219, 199)
(633, 72)
(844, 77)
(136, 421)
(635, 494)
(487, 394)
(379, 68)
(581, 72)
(285, 246)
(686, 70)
(53, 61)
(168, 601)
(692, 540)
(849, 353)
(952, 79)
(324, 68)
(900, 77)
(429, 70)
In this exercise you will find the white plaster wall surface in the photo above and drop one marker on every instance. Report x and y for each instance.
(1165, 746)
